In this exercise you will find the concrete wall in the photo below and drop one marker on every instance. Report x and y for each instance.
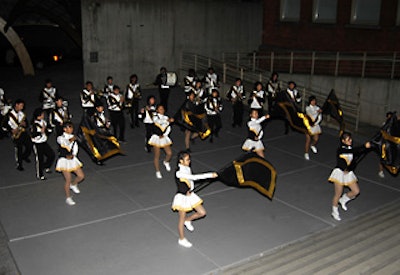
(141, 36)
(376, 96)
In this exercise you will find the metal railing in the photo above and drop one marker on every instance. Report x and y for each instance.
(356, 64)
(231, 68)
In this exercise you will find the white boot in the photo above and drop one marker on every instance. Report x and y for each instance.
(343, 200)
(335, 213)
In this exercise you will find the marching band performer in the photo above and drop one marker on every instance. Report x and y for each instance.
(88, 98)
(5, 107)
(257, 98)
(59, 116)
(100, 121)
(200, 94)
(146, 114)
(132, 97)
(68, 162)
(115, 106)
(255, 134)
(17, 125)
(160, 139)
(293, 95)
(272, 90)
(163, 87)
(41, 148)
(236, 95)
(210, 80)
(314, 112)
(190, 81)
(213, 107)
(108, 87)
(48, 96)
(342, 175)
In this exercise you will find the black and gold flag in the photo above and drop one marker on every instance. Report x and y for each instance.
(250, 170)
(98, 146)
(387, 144)
(298, 121)
(332, 107)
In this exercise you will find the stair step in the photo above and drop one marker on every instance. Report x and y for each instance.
(348, 245)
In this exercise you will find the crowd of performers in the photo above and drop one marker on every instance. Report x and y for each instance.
(102, 130)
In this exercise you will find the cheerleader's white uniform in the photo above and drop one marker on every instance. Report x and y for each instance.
(253, 142)
(162, 129)
(312, 112)
(184, 180)
(346, 157)
(67, 148)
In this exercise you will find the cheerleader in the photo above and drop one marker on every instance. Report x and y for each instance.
(343, 175)
(314, 112)
(160, 139)
(255, 134)
(146, 114)
(68, 162)
(185, 199)
(236, 95)
(41, 148)
(257, 98)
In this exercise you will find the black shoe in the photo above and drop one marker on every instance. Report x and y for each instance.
(47, 170)
(41, 178)
(20, 168)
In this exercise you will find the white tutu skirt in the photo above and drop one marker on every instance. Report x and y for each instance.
(186, 203)
(69, 165)
(340, 177)
(160, 142)
(315, 130)
(252, 145)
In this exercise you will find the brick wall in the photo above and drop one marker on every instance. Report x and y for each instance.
(342, 36)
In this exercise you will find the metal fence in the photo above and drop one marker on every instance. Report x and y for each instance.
(230, 68)
(356, 64)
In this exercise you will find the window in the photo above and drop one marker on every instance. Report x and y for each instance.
(290, 10)
(324, 11)
(365, 12)
(398, 13)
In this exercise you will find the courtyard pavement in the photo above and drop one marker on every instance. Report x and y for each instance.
(123, 223)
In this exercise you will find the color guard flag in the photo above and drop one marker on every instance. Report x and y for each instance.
(332, 107)
(297, 120)
(250, 170)
(387, 144)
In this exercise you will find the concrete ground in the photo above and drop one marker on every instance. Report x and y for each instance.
(122, 222)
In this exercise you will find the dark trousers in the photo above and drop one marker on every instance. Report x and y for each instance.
(149, 132)
(41, 151)
(23, 148)
(133, 113)
(215, 123)
(118, 122)
(237, 113)
(164, 95)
